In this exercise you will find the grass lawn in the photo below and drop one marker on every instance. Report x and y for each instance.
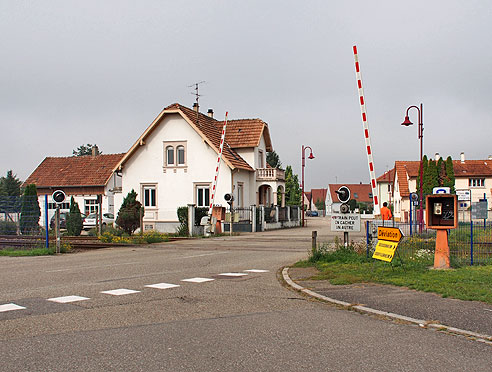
(345, 266)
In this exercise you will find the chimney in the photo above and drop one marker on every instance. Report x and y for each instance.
(210, 113)
(490, 157)
(462, 157)
(437, 156)
(195, 107)
(95, 150)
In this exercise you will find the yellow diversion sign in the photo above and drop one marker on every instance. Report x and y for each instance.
(388, 239)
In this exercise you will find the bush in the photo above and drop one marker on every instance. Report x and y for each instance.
(74, 219)
(8, 228)
(129, 214)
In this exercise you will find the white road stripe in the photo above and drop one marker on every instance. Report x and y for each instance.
(197, 280)
(233, 274)
(257, 271)
(10, 307)
(66, 299)
(120, 292)
(162, 285)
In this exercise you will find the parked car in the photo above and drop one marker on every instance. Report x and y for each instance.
(63, 220)
(312, 213)
(90, 220)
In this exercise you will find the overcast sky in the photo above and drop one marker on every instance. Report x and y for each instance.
(77, 72)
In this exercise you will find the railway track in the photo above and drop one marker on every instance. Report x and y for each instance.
(76, 242)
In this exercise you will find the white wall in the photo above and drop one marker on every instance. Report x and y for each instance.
(175, 186)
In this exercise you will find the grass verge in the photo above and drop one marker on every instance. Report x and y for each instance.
(348, 266)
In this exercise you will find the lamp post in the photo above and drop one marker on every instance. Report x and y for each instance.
(311, 156)
(407, 123)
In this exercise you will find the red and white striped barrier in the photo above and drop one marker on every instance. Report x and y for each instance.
(365, 125)
(219, 157)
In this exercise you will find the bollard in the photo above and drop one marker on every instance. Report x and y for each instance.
(314, 235)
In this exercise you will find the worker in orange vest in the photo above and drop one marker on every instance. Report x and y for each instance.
(386, 213)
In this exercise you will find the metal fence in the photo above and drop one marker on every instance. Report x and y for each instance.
(270, 213)
(241, 214)
(20, 215)
(470, 243)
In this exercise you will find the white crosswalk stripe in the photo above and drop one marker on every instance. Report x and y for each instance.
(120, 292)
(162, 285)
(10, 307)
(197, 280)
(256, 271)
(67, 299)
(233, 274)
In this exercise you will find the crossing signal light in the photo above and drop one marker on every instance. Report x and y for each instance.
(59, 196)
(229, 198)
(343, 194)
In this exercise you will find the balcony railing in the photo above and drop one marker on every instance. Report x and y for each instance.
(270, 174)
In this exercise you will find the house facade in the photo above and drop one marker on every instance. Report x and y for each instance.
(473, 175)
(173, 164)
(84, 177)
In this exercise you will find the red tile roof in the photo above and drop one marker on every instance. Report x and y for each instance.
(468, 168)
(387, 176)
(74, 171)
(209, 128)
(246, 133)
(318, 194)
(363, 191)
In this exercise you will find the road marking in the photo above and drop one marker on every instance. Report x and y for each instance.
(488, 309)
(120, 292)
(197, 280)
(10, 307)
(233, 274)
(162, 285)
(257, 271)
(67, 299)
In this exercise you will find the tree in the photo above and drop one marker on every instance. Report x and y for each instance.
(449, 181)
(129, 214)
(320, 205)
(30, 211)
(74, 219)
(292, 189)
(10, 185)
(273, 160)
(84, 150)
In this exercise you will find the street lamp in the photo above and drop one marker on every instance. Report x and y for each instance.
(311, 156)
(407, 123)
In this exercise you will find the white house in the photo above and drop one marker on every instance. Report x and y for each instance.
(473, 175)
(173, 164)
(83, 177)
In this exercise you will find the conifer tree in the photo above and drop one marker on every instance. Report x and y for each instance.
(450, 179)
(129, 214)
(30, 211)
(74, 219)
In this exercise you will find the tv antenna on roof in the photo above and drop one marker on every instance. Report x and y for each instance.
(196, 93)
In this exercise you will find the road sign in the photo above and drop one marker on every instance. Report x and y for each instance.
(343, 194)
(58, 196)
(385, 250)
(345, 222)
(479, 210)
(463, 195)
(392, 234)
(441, 190)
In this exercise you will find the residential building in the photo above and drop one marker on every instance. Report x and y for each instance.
(319, 195)
(173, 164)
(473, 175)
(83, 177)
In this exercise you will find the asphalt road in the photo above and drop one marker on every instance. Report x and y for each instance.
(231, 323)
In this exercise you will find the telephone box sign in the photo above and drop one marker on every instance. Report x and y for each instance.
(345, 222)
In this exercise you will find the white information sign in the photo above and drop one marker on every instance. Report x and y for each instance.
(463, 195)
(345, 222)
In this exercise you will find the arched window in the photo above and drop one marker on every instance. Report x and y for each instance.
(170, 155)
(181, 154)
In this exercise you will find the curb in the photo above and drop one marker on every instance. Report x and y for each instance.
(367, 310)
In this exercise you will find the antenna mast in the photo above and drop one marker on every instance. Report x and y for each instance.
(197, 95)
